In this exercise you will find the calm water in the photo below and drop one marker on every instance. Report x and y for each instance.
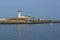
(29, 31)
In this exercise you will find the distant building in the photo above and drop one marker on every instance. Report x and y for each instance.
(2, 19)
(19, 15)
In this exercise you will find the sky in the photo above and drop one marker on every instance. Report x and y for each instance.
(46, 9)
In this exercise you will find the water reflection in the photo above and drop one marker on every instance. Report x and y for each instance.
(30, 32)
(21, 29)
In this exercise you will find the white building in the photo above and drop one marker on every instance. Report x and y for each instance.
(2, 19)
(19, 15)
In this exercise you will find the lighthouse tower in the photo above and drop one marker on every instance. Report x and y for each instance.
(19, 13)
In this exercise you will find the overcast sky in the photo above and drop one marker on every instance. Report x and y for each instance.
(48, 9)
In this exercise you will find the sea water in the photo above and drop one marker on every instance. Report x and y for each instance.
(30, 31)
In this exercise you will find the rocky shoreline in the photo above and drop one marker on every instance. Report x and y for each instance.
(11, 21)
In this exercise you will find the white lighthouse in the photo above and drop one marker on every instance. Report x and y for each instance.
(19, 13)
